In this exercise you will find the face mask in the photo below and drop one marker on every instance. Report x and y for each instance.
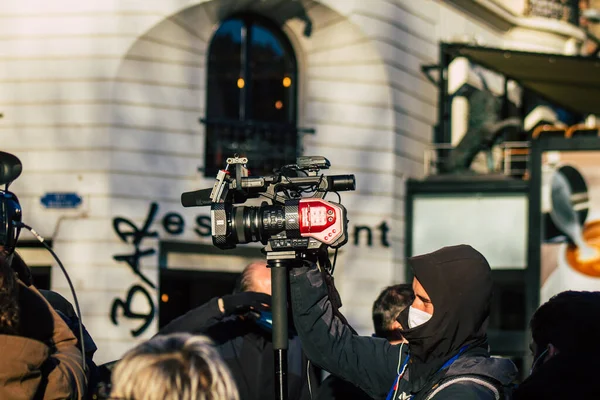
(417, 317)
(536, 361)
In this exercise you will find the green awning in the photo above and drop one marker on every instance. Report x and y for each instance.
(572, 82)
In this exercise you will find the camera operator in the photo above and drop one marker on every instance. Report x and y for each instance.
(386, 308)
(445, 327)
(240, 325)
(40, 358)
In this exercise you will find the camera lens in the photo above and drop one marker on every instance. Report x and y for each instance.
(253, 224)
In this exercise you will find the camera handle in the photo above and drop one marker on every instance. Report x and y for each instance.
(280, 262)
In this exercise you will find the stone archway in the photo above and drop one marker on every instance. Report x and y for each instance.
(158, 92)
(158, 97)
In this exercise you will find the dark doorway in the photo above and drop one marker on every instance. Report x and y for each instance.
(38, 260)
(182, 290)
(41, 277)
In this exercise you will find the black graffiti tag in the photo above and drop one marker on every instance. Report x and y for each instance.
(137, 235)
(129, 233)
(127, 313)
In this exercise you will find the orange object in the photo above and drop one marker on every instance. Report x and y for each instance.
(591, 234)
(579, 127)
(544, 129)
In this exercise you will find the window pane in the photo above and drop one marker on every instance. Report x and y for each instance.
(224, 71)
(256, 116)
(272, 71)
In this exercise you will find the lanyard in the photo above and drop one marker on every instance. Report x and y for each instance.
(405, 364)
(398, 378)
(450, 361)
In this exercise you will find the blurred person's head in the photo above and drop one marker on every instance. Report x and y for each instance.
(389, 304)
(9, 306)
(173, 367)
(256, 277)
(568, 323)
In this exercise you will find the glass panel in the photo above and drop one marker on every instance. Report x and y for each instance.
(225, 71)
(272, 70)
(251, 98)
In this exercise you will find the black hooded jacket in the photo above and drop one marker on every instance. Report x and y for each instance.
(564, 376)
(458, 282)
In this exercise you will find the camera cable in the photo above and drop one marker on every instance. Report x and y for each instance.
(64, 271)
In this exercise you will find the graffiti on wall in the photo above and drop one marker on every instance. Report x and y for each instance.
(174, 224)
(129, 233)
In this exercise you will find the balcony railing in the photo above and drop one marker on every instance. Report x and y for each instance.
(508, 158)
(561, 10)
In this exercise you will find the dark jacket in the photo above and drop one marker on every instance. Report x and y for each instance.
(66, 311)
(563, 377)
(335, 388)
(43, 361)
(372, 363)
(248, 351)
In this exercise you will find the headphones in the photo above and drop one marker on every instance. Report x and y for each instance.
(10, 209)
(10, 220)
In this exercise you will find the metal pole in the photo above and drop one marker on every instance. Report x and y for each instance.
(279, 283)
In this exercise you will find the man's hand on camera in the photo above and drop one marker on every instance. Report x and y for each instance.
(240, 303)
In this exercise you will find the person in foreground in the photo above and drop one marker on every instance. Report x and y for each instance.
(173, 367)
(240, 326)
(447, 355)
(40, 357)
(566, 349)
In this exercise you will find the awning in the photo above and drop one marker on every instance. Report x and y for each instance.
(572, 82)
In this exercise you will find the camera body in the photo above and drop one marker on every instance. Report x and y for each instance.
(285, 221)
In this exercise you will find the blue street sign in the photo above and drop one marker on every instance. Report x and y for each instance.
(61, 200)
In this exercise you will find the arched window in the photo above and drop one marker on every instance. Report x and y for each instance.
(251, 96)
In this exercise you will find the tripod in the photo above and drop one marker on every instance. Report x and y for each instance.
(280, 262)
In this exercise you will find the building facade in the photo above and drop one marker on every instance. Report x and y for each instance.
(127, 104)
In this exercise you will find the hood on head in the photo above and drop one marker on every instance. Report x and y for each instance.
(458, 280)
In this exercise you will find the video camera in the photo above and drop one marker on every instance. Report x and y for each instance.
(285, 221)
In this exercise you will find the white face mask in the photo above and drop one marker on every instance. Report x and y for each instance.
(417, 317)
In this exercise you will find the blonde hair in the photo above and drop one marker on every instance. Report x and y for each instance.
(173, 367)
